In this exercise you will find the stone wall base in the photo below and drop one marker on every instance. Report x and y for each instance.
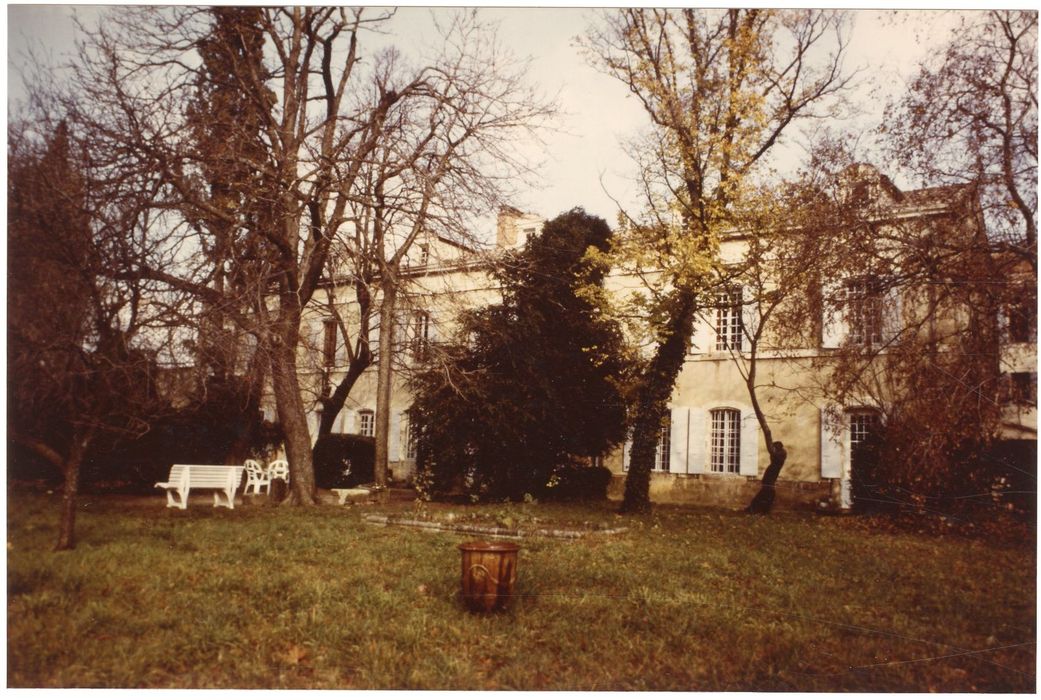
(734, 492)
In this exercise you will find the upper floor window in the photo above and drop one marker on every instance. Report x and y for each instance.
(725, 441)
(329, 342)
(1021, 323)
(421, 340)
(728, 320)
(864, 311)
(367, 423)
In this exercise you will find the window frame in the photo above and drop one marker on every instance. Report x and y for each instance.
(864, 301)
(330, 334)
(729, 325)
(370, 424)
(724, 441)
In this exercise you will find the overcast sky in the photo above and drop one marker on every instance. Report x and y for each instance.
(583, 155)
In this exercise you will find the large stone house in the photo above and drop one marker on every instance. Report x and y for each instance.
(711, 448)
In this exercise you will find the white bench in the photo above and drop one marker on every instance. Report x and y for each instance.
(344, 494)
(185, 477)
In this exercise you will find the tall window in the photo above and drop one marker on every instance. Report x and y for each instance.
(421, 341)
(367, 423)
(1021, 322)
(410, 435)
(728, 320)
(329, 342)
(661, 452)
(864, 311)
(726, 441)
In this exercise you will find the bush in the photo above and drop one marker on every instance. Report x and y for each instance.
(335, 454)
(573, 483)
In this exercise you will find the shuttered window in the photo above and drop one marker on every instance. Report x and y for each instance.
(661, 452)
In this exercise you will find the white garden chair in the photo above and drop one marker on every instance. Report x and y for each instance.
(256, 477)
(279, 469)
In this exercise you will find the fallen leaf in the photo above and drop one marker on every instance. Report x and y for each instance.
(294, 655)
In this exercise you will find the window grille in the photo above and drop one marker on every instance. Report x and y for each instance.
(864, 308)
(728, 320)
(726, 441)
(367, 423)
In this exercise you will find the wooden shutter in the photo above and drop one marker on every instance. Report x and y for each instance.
(748, 464)
(834, 325)
(892, 314)
(697, 441)
(831, 447)
(394, 438)
(703, 339)
(678, 440)
(626, 450)
(350, 421)
(749, 317)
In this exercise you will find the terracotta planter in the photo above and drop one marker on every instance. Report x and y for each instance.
(489, 572)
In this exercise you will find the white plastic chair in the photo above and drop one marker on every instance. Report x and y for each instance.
(256, 477)
(279, 469)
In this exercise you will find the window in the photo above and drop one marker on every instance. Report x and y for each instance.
(726, 441)
(366, 423)
(421, 341)
(864, 311)
(410, 435)
(728, 320)
(661, 452)
(863, 425)
(329, 342)
(1021, 388)
(1020, 323)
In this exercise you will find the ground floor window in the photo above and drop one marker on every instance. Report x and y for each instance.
(367, 423)
(661, 452)
(726, 441)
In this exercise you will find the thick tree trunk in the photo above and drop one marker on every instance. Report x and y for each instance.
(67, 526)
(385, 375)
(652, 399)
(292, 416)
(764, 500)
(255, 373)
(332, 405)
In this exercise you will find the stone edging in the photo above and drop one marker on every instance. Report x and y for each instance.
(487, 530)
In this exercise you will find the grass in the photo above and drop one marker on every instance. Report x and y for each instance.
(686, 599)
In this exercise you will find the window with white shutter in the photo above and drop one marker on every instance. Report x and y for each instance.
(725, 436)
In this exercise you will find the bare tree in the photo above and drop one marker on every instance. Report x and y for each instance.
(248, 208)
(720, 88)
(82, 347)
(970, 116)
(449, 156)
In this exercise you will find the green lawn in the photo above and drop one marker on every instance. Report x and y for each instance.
(687, 599)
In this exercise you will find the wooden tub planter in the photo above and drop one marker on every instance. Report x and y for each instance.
(489, 572)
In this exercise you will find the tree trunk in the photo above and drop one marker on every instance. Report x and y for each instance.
(332, 405)
(764, 500)
(239, 450)
(385, 377)
(67, 526)
(652, 399)
(292, 416)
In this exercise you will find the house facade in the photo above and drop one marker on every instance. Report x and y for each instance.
(711, 448)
